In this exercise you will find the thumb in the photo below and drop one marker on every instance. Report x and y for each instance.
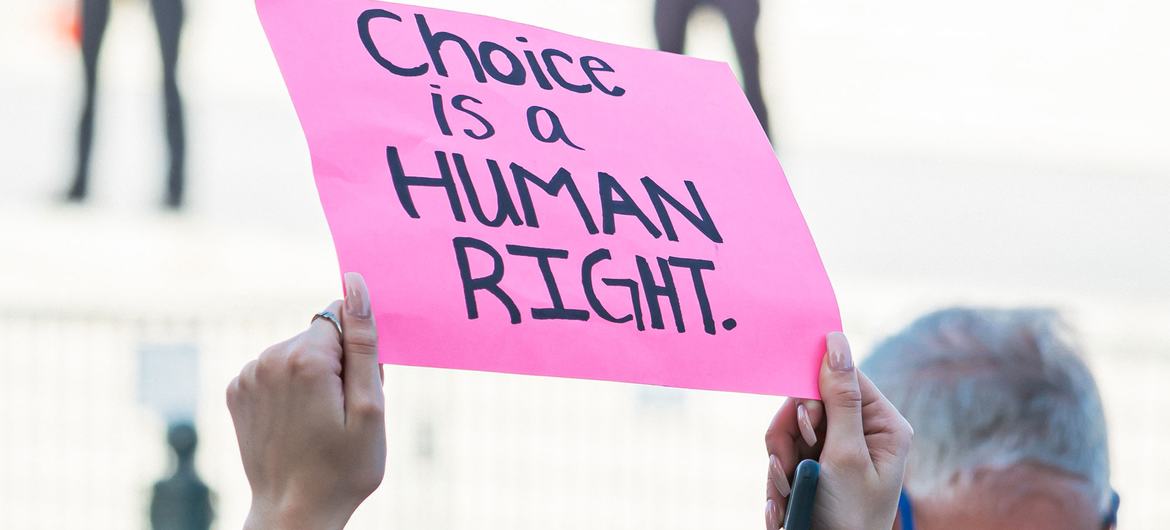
(841, 394)
(359, 342)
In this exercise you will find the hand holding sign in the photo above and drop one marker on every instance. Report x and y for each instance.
(542, 204)
(863, 445)
(309, 416)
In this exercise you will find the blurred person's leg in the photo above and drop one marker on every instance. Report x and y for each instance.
(742, 16)
(168, 19)
(94, 16)
(670, 23)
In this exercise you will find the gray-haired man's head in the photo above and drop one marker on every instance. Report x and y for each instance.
(1007, 418)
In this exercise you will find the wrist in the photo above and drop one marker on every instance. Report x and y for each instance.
(294, 514)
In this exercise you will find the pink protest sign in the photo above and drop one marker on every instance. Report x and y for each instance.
(525, 201)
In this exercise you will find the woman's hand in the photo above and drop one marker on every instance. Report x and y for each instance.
(310, 422)
(862, 449)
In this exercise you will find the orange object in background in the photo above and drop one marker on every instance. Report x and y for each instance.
(67, 23)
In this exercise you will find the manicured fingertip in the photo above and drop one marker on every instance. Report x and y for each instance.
(807, 431)
(840, 356)
(771, 515)
(357, 297)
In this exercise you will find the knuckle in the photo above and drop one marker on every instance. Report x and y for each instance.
(269, 362)
(848, 396)
(248, 374)
(320, 348)
(851, 458)
(233, 392)
(274, 350)
(368, 482)
(771, 440)
(311, 363)
(301, 361)
(368, 409)
(363, 337)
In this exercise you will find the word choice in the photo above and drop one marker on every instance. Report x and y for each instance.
(646, 285)
(490, 59)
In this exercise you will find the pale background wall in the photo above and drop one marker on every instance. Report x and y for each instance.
(996, 152)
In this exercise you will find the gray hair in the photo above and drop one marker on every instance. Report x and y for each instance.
(990, 389)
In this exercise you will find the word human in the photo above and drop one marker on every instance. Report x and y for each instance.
(613, 198)
(554, 68)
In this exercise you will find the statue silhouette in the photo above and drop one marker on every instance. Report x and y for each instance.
(181, 501)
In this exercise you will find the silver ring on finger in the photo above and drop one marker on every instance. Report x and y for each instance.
(329, 316)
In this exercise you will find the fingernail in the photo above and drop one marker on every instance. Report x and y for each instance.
(779, 477)
(806, 427)
(771, 518)
(357, 298)
(840, 358)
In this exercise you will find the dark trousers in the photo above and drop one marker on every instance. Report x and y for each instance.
(670, 25)
(168, 20)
